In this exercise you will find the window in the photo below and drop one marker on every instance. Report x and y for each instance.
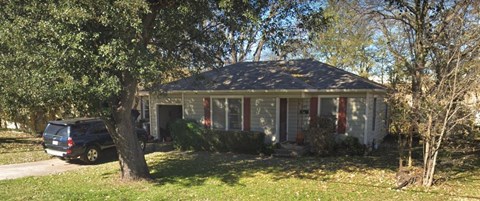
(80, 129)
(145, 108)
(235, 114)
(328, 108)
(227, 113)
(59, 130)
(218, 113)
(98, 129)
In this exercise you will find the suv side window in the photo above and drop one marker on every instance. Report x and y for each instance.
(98, 129)
(78, 130)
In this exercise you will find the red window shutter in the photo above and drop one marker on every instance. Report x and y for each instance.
(206, 108)
(246, 114)
(283, 119)
(342, 115)
(313, 110)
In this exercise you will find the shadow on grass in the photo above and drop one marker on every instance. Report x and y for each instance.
(461, 160)
(20, 140)
(106, 156)
(415, 191)
(15, 143)
(19, 144)
(194, 168)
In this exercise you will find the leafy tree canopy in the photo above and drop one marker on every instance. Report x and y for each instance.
(76, 51)
(91, 56)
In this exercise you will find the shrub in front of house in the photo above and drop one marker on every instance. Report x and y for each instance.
(321, 136)
(351, 146)
(249, 142)
(190, 135)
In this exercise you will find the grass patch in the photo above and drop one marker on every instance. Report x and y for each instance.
(212, 176)
(19, 147)
(227, 176)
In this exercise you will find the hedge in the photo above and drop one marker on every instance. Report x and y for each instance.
(249, 142)
(190, 135)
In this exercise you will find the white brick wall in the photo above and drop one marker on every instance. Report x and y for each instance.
(356, 117)
(193, 108)
(380, 130)
(263, 116)
(380, 121)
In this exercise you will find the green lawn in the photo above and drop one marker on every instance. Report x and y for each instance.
(18, 147)
(212, 176)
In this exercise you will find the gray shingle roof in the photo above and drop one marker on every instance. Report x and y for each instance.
(272, 75)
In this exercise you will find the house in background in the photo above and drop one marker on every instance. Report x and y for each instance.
(279, 98)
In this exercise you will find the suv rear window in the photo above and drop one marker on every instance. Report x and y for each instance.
(59, 130)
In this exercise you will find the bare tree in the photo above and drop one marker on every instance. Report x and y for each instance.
(437, 44)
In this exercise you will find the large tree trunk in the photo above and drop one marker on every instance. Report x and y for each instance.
(258, 52)
(130, 156)
(32, 124)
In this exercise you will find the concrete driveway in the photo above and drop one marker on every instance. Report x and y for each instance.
(54, 166)
(38, 168)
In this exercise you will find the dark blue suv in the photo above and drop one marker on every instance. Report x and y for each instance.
(81, 138)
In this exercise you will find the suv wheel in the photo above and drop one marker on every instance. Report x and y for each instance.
(91, 155)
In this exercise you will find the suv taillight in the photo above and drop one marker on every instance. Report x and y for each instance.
(70, 142)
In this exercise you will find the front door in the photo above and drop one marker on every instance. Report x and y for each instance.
(283, 119)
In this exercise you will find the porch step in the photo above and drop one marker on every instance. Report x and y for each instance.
(284, 153)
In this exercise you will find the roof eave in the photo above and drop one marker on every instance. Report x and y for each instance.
(279, 90)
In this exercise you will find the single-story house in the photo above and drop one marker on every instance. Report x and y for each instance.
(278, 98)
